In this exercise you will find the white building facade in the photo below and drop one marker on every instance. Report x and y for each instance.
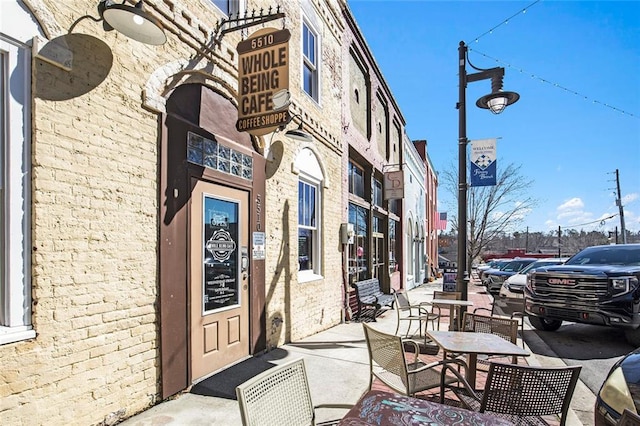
(415, 218)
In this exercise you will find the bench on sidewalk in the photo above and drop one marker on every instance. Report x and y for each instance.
(369, 293)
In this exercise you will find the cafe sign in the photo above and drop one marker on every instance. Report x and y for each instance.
(263, 81)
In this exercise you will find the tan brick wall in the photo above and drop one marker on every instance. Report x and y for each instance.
(95, 215)
(315, 305)
(360, 104)
(94, 238)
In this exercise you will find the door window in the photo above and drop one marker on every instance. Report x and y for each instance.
(220, 249)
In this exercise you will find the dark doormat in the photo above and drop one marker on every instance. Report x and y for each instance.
(223, 384)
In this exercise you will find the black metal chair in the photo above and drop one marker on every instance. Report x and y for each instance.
(510, 307)
(522, 394)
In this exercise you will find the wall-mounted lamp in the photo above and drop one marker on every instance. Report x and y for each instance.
(299, 134)
(132, 21)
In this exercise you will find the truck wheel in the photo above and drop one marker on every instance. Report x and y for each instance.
(633, 337)
(545, 324)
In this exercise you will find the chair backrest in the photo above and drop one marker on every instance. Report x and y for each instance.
(529, 391)
(279, 395)
(451, 295)
(508, 306)
(387, 360)
(504, 327)
(402, 300)
(629, 418)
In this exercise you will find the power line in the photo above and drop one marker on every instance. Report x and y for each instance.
(601, 221)
(506, 21)
(558, 86)
(542, 80)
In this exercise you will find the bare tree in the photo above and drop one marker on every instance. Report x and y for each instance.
(492, 211)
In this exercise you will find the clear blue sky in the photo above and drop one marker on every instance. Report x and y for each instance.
(576, 66)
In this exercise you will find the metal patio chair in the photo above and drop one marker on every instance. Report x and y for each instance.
(629, 418)
(444, 310)
(522, 394)
(279, 396)
(389, 363)
(509, 307)
(421, 313)
(504, 327)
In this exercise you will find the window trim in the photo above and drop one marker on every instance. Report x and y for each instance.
(235, 7)
(306, 23)
(15, 283)
(310, 171)
(316, 259)
(352, 184)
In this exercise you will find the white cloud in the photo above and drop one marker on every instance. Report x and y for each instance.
(571, 205)
(630, 198)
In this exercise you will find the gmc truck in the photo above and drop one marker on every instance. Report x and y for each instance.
(598, 285)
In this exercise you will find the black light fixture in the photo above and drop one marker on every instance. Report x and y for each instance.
(132, 21)
(299, 134)
(496, 102)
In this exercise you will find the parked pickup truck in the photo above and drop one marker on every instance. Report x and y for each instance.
(598, 285)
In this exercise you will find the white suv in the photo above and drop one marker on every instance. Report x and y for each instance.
(514, 285)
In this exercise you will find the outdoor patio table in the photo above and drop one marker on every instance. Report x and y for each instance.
(472, 344)
(453, 303)
(385, 408)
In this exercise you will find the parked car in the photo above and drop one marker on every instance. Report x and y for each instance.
(514, 285)
(599, 285)
(491, 265)
(495, 278)
(620, 390)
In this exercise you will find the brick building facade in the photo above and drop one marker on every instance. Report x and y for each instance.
(149, 242)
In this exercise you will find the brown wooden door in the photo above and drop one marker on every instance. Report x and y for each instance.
(219, 281)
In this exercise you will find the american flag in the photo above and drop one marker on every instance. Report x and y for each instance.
(441, 221)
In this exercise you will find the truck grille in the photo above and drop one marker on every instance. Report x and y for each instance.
(586, 288)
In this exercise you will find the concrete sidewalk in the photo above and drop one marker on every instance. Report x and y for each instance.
(338, 368)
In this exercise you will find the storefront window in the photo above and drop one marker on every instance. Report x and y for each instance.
(393, 246)
(359, 250)
(377, 193)
(356, 180)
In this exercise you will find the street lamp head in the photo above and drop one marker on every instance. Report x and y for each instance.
(496, 102)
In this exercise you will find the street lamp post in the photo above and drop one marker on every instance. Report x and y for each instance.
(496, 102)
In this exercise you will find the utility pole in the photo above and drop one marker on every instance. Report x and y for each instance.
(559, 241)
(619, 204)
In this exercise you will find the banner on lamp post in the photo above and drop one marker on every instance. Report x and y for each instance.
(483, 162)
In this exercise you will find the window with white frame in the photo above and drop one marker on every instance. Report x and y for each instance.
(309, 215)
(307, 225)
(228, 7)
(310, 51)
(15, 128)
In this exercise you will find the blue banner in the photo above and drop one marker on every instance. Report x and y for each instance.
(483, 168)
